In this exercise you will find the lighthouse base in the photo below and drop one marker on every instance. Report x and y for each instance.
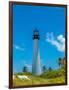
(36, 67)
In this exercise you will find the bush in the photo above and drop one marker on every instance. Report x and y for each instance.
(53, 73)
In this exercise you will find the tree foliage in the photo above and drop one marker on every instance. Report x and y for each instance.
(25, 69)
(44, 68)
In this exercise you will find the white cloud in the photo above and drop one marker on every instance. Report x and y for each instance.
(25, 64)
(18, 48)
(29, 66)
(58, 42)
(61, 38)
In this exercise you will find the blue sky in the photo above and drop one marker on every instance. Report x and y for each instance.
(50, 21)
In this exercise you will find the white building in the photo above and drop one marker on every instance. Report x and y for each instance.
(36, 66)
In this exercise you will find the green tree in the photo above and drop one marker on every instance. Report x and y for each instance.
(44, 68)
(50, 69)
(59, 62)
(25, 69)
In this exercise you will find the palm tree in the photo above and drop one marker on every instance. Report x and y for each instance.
(25, 69)
(50, 69)
(44, 68)
(59, 62)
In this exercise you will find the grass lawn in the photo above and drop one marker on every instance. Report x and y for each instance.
(53, 77)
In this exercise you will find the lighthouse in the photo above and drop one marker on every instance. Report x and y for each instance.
(36, 66)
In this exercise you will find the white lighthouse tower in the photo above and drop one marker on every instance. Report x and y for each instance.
(36, 66)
